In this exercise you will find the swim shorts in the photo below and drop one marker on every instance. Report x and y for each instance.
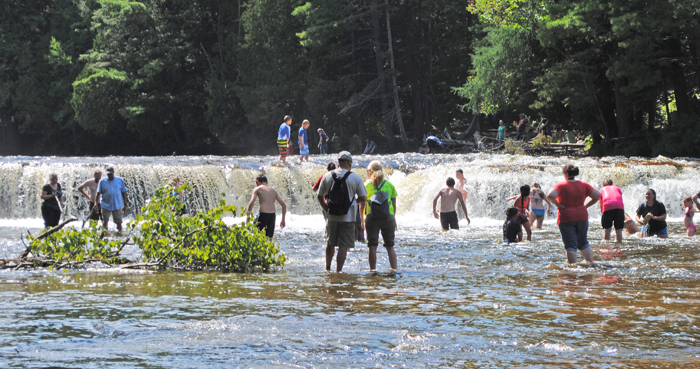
(662, 232)
(304, 152)
(96, 215)
(616, 216)
(266, 222)
(282, 145)
(539, 213)
(449, 220)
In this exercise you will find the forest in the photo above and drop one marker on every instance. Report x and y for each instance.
(190, 77)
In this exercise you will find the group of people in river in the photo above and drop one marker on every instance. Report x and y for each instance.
(107, 198)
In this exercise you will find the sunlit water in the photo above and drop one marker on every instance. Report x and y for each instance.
(461, 298)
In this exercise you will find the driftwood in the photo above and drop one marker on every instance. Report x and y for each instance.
(56, 228)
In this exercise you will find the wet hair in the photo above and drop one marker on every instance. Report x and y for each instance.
(459, 171)
(330, 166)
(687, 199)
(376, 173)
(511, 213)
(53, 175)
(654, 192)
(306, 121)
(287, 118)
(450, 182)
(524, 192)
(261, 178)
(570, 170)
(607, 182)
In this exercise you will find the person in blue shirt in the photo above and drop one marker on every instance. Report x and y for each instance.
(369, 149)
(111, 195)
(284, 135)
(434, 143)
(304, 141)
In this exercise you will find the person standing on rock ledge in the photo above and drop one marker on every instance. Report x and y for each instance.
(91, 184)
(284, 135)
(111, 195)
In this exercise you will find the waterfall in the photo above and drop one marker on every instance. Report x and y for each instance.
(490, 179)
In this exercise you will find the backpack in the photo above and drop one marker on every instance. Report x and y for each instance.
(338, 196)
(379, 204)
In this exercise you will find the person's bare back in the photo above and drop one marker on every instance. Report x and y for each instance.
(266, 198)
(448, 198)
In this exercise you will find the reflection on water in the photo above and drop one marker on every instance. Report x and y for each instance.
(460, 299)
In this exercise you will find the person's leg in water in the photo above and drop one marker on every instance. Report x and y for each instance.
(618, 235)
(582, 241)
(528, 229)
(606, 234)
(389, 235)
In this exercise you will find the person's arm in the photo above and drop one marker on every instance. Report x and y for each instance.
(125, 199)
(435, 214)
(301, 142)
(696, 200)
(81, 189)
(512, 198)
(520, 236)
(552, 195)
(595, 196)
(658, 217)
(464, 206)
(322, 200)
(284, 210)
(46, 196)
(549, 204)
(393, 204)
(251, 203)
(361, 203)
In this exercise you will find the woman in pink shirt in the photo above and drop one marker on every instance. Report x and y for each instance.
(572, 217)
(613, 210)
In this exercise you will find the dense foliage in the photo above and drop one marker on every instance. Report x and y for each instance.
(150, 77)
(198, 242)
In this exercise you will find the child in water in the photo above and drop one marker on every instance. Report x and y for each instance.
(537, 200)
(688, 218)
(522, 203)
(512, 231)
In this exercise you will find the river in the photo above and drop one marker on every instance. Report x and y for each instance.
(461, 298)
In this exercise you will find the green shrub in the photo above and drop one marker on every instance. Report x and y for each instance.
(514, 147)
(541, 141)
(202, 241)
(199, 242)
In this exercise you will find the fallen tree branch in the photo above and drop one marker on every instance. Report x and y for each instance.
(56, 228)
(181, 243)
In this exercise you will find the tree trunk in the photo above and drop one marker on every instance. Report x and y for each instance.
(397, 106)
(361, 127)
(622, 110)
(651, 111)
(384, 98)
(677, 75)
(416, 101)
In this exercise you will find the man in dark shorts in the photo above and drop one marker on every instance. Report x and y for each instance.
(265, 220)
(448, 197)
(91, 184)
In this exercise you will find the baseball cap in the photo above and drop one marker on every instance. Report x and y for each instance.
(344, 155)
(110, 169)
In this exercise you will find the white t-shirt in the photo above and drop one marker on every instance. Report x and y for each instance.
(355, 187)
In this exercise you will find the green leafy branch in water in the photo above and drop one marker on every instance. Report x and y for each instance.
(202, 241)
(541, 141)
(513, 147)
(167, 239)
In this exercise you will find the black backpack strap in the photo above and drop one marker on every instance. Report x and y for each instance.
(347, 174)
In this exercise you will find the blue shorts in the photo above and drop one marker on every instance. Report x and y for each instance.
(304, 152)
(662, 232)
(539, 213)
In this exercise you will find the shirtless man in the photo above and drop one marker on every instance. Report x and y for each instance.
(265, 219)
(91, 184)
(448, 197)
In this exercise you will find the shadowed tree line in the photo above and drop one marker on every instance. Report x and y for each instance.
(99, 77)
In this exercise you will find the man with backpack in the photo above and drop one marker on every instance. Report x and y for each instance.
(336, 194)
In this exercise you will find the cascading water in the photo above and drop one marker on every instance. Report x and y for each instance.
(460, 298)
(490, 179)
